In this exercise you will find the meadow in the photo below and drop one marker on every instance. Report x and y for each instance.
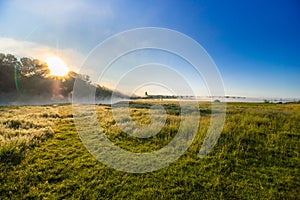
(256, 156)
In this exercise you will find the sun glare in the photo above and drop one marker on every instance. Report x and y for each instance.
(57, 66)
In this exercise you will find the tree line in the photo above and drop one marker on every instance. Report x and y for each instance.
(27, 81)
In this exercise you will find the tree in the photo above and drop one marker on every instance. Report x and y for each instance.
(8, 73)
(31, 67)
(28, 79)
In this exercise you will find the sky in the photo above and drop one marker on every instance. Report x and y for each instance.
(254, 44)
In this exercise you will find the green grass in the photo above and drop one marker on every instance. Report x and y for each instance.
(256, 157)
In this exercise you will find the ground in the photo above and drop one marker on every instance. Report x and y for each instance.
(256, 157)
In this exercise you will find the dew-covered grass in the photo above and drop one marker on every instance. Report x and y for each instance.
(256, 157)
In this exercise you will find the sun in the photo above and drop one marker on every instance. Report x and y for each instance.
(57, 66)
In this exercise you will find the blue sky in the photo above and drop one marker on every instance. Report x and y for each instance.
(255, 44)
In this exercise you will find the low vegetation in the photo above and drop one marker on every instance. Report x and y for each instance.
(256, 157)
(22, 128)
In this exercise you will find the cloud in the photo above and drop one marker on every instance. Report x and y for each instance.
(41, 52)
(72, 24)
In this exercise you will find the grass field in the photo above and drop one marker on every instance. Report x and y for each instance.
(256, 157)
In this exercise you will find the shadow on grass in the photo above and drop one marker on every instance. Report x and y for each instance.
(12, 153)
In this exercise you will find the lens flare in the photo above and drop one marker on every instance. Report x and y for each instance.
(57, 66)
